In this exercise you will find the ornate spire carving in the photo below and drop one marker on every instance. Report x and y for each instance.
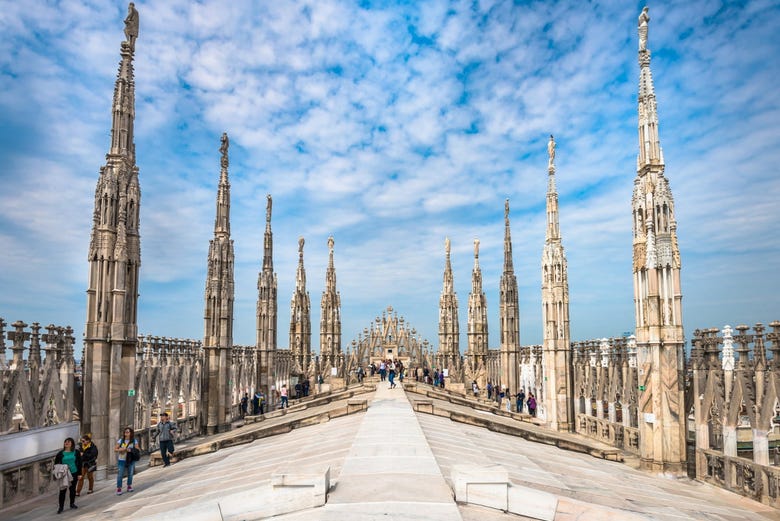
(114, 261)
(300, 316)
(330, 318)
(558, 408)
(219, 300)
(477, 314)
(449, 332)
(267, 309)
(509, 314)
(657, 291)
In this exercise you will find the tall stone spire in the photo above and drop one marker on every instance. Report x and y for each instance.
(330, 319)
(556, 354)
(300, 317)
(267, 306)
(477, 319)
(111, 335)
(449, 334)
(657, 291)
(218, 315)
(509, 314)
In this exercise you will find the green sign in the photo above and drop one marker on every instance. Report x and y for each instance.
(641, 387)
(131, 392)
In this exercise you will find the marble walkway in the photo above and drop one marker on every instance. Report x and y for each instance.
(391, 463)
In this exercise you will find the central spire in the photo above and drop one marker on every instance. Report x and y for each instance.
(222, 220)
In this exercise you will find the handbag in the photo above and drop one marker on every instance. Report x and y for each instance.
(133, 455)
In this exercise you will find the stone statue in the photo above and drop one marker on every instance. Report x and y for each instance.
(223, 149)
(300, 245)
(506, 210)
(551, 150)
(476, 247)
(268, 208)
(131, 25)
(447, 245)
(331, 242)
(644, 18)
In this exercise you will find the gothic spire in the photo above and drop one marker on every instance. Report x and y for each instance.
(330, 317)
(553, 230)
(122, 142)
(477, 311)
(222, 220)
(268, 244)
(300, 319)
(508, 267)
(448, 310)
(650, 151)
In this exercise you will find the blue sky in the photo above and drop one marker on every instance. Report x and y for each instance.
(392, 125)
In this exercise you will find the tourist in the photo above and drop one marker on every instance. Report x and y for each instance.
(531, 404)
(89, 454)
(244, 404)
(259, 402)
(441, 379)
(72, 458)
(400, 369)
(382, 371)
(490, 390)
(520, 397)
(125, 463)
(436, 377)
(298, 390)
(283, 393)
(164, 431)
(256, 403)
(391, 374)
(474, 388)
(360, 374)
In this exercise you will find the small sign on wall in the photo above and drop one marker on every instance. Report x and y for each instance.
(649, 417)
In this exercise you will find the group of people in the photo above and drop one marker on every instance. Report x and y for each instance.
(388, 370)
(498, 393)
(77, 463)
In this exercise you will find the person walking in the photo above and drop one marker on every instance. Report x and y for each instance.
(72, 458)
(474, 388)
(391, 374)
(283, 393)
(125, 463)
(382, 371)
(256, 403)
(260, 398)
(520, 397)
(89, 454)
(164, 432)
(360, 374)
(490, 390)
(531, 404)
(244, 404)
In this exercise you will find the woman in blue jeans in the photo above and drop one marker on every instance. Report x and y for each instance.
(127, 441)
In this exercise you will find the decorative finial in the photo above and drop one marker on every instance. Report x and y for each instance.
(447, 245)
(223, 149)
(268, 205)
(644, 18)
(551, 150)
(300, 246)
(476, 248)
(131, 25)
(331, 242)
(506, 211)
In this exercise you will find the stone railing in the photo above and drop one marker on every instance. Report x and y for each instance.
(611, 433)
(739, 475)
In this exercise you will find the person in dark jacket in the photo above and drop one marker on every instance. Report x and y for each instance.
(72, 458)
(89, 454)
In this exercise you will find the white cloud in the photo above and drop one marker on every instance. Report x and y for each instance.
(391, 128)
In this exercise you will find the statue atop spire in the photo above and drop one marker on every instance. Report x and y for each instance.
(268, 205)
(551, 152)
(131, 25)
(223, 149)
(447, 246)
(644, 19)
(301, 242)
(476, 248)
(506, 212)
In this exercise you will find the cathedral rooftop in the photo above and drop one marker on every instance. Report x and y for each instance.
(391, 462)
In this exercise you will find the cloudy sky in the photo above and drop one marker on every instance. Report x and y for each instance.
(392, 125)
